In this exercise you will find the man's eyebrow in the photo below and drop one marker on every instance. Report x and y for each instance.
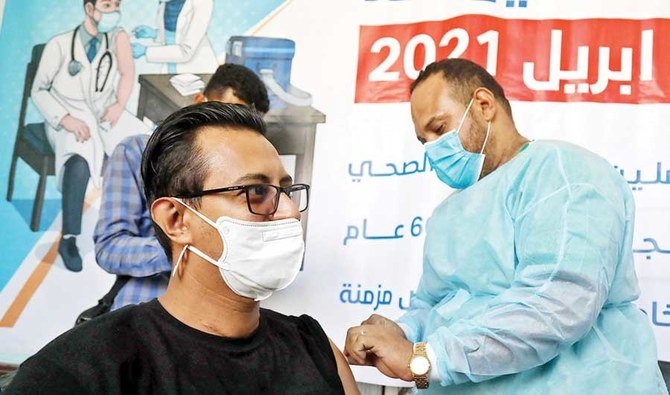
(253, 177)
(287, 179)
(435, 119)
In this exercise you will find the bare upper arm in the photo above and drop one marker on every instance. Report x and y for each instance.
(124, 53)
(344, 371)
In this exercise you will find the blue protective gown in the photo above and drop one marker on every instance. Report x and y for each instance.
(528, 282)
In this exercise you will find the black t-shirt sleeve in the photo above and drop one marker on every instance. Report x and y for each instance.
(319, 348)
(85, 359)
(312, 329)
(44, 375)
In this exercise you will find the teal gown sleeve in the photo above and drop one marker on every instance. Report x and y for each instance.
(421, 303)
(567, 243)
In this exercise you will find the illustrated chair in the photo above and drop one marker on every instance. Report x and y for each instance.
(32, 145)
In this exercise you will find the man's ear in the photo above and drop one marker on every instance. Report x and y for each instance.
(89, 8)
(199, 98)
(487, 102)
(169, 216)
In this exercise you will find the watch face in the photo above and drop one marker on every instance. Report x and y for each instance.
(419, 365)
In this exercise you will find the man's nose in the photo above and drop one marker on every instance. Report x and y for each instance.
(287, 208)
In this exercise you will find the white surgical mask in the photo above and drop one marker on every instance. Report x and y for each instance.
(258, 257)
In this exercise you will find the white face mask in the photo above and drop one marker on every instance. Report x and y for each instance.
(258, 257)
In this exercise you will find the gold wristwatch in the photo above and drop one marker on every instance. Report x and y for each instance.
(419, 365)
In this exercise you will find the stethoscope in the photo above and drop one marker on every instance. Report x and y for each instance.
(75, 66)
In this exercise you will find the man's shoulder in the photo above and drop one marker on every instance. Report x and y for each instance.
(82, 356)
(112, 332)
(61, 39)
(563, 150)
(302, 323)
(275, 316)
(125, 163)
(130, 149)
(135, 143)
(570, 161)
(553, 166)
(116, 326)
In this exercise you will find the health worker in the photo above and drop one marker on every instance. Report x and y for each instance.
(181, 34)
(528, 283)
(82, 85)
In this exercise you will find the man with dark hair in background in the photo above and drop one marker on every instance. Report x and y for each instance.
(125, 242)
(233, 83)
(528, 282)
(225, 211)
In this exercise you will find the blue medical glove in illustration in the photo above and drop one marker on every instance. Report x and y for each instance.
(139, 50)
(144, 31)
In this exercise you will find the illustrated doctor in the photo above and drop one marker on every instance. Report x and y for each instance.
(182, 36)
(82, 85)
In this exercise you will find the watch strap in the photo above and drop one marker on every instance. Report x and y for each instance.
(421, 380)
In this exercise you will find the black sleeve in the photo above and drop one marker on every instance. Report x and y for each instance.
(318, 346)
(43, 375)
(86, 359)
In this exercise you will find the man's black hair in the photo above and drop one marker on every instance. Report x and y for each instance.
(90, 1)
(245, 85)
(173, 163)
(464, 77)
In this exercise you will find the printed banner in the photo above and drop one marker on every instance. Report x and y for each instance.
(597, 60)
(592, 73)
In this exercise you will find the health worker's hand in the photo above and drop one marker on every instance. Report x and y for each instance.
(112, 114)
(381, 345)
(77, 127)
(139, 50)
(376, 319)
(144, 31)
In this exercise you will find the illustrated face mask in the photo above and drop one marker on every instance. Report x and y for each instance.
(108, 21)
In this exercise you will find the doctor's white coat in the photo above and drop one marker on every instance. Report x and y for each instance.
(193, 52)
(56, 93)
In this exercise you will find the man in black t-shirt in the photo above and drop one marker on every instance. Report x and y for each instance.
(227, 214)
